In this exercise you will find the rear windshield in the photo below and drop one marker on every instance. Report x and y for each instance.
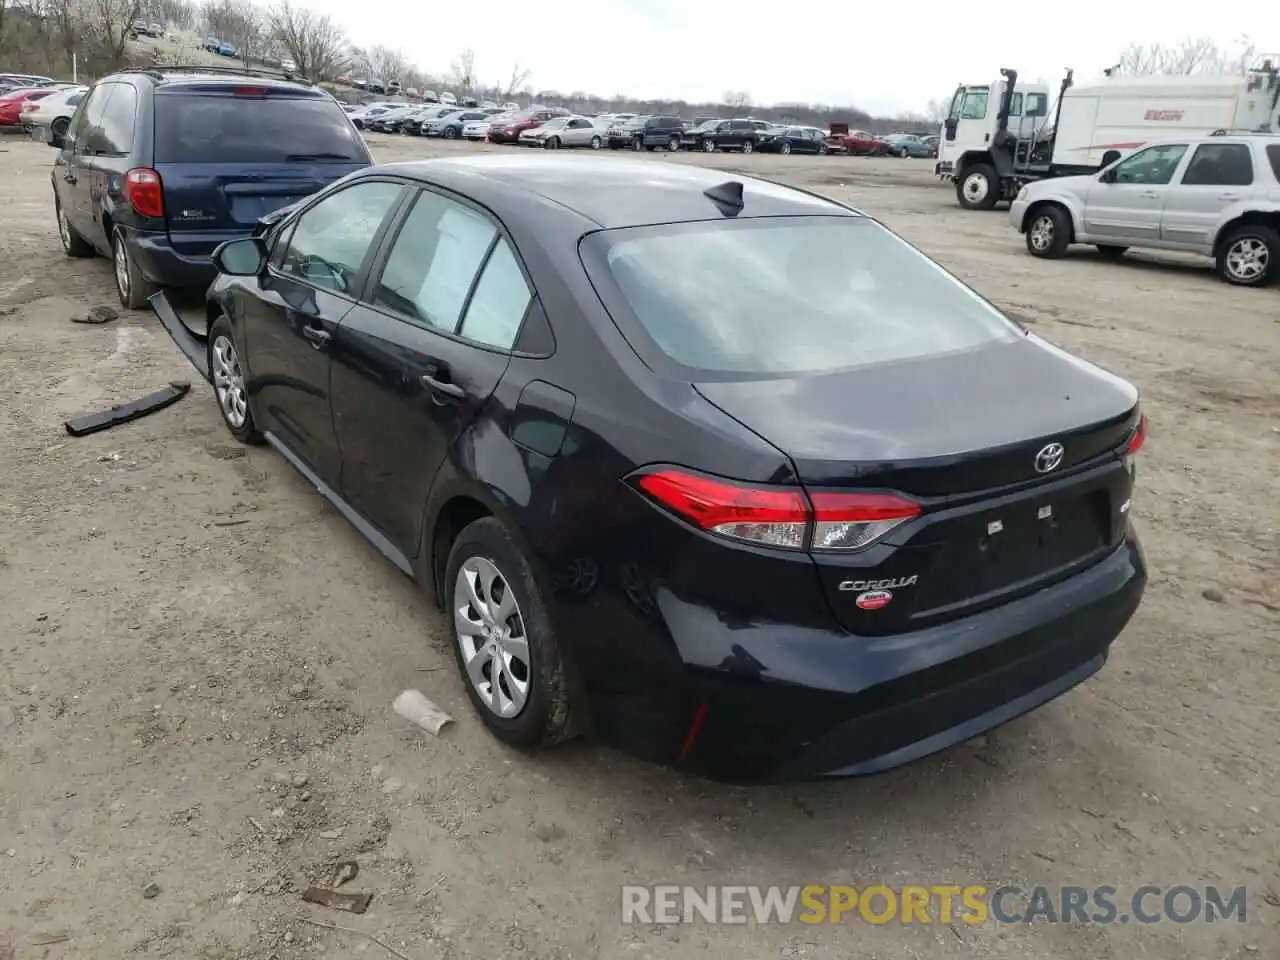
(217, 128)
(783, 296)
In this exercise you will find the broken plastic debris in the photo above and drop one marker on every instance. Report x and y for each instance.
(416, 708)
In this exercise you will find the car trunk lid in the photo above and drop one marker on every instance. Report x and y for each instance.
(1002, 510)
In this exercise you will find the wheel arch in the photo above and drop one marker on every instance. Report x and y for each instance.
(1042, 205)
(1258, 218)
(971, 157)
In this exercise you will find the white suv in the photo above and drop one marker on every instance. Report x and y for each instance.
(1218, 196)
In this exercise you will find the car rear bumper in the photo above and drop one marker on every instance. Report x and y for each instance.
(161, 264)
(775, 702)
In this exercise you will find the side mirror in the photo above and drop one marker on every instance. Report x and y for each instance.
(246, 257)
(1110, 157)
(1107, 176)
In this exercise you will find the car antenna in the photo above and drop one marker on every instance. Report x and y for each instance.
(727, 196)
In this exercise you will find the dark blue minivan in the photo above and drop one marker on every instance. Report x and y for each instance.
(162, 164)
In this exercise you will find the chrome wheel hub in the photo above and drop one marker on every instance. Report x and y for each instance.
(228, 382)
(491, 637)
(64, 229)
(1248, 258)
(976, 187)
(1041, 233)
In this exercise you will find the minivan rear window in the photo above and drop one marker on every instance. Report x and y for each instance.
(782, 296)
(222, 128)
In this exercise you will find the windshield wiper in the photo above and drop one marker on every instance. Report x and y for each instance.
(301, 157)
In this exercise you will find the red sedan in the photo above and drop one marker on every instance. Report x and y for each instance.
(11, 104)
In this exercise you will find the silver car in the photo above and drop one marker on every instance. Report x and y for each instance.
(1218, 196)
(479, 129)
(567, 132)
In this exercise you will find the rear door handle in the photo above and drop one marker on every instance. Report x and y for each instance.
(318, 337)
(1228, 196)
(69, 177)
(442, 388)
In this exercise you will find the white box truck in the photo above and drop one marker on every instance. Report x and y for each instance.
(999, 136)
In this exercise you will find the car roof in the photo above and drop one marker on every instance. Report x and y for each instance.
(206, 76)
(611, 193)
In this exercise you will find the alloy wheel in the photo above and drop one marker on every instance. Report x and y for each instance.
(1041, 233)
(1248, 259)
(786, 148)
(748, 147)
(709, 146)
(64, 230)
(228, 381)
(491, 636)
(120, 258)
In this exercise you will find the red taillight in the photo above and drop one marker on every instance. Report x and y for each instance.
(778, 516)
(144, 191)
(1139, 437)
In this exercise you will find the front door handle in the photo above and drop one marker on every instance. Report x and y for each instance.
(318, 337)
(442, 388)
(1150, 195)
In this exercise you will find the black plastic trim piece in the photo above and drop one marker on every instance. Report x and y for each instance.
(124, 412)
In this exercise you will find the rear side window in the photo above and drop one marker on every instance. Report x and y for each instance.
(783, 296)
(222, 128)
(118, 119)
(1273, 154)
(1220, 165)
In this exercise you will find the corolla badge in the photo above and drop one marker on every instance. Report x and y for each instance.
(1049, 457)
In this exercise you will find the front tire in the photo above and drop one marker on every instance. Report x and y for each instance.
(786, 148)
(504, 646)
(228, 384)
(1247, 255)
(749, 147)
(1049, 232)
(131, 286)
(637, 144)
(596, 143)
(708, 146)
(978, 189)
(553, 143)
(450, 133)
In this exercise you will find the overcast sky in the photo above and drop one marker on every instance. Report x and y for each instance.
(886, 57)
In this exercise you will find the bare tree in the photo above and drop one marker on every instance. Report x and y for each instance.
(314, 42)
(519, 77)
(110, 21)
(937, 110)
(737, 99)
(463, 71)
(384, 63)
(1192, 55)
(240, 23)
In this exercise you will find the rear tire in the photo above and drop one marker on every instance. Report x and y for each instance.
(1049, 232)
(978, 189)
(487, 548)
(131, 286)
(73, 245)
(1247, 255)
(1110, 251)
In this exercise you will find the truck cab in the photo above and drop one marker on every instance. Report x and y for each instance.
(990, 126)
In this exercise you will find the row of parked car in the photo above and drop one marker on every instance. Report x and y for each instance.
(555, 127)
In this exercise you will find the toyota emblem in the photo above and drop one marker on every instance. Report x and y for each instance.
(1049, 457)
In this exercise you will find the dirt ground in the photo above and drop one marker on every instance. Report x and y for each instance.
(198, 659)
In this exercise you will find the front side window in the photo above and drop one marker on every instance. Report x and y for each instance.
(332, 239)
(975, 104)
(433, 262)
(1153, 166)
(957, 100)
(796, 295)
(1015, 105)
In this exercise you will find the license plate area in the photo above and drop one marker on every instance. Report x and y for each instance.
(1010, 545)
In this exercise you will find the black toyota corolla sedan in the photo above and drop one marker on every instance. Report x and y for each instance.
(721, 472)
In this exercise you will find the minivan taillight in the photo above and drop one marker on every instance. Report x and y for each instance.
(1139, 437)
(782, 517)
(144, 191)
